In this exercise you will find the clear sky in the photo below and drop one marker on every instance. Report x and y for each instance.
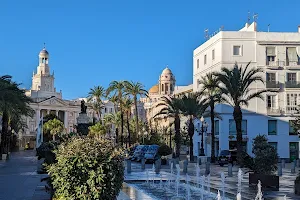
(93, 42)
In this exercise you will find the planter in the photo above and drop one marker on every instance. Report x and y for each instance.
(4, 157)
(297, 188)
(268, 181)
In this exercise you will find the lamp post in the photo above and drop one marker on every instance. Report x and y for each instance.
(204, 126)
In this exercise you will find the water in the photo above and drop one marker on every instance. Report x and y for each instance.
(240, 178)
(188, 191)
(198, 174)
(177, 179)
(223, 184)
(208, 184)
(259, 195)
(238, 196)
(219, 195)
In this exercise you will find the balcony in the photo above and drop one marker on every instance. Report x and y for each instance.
(275, 64)
(275, 111)
(272, 84)
(292, 84)
(293, 65)
(291, 110)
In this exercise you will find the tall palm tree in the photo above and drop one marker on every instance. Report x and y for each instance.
(127, 105)
(95, 96)
(13, 102)
(236, 86)
(171, 108)
(192, 108)
(212, 95)
(117, 88)
(135, 89)
(115, 120)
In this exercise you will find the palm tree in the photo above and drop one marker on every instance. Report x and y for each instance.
(95, 96)
(13, 104)
(171, 108)
(117, 87)
(236, 87)
(212, 95)
(98, 130)
(135, 89)
(127, 105)
(54, 126)
(115, 120)
(192, 108)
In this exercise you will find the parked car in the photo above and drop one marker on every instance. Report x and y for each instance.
(152, 153)
(227, 156)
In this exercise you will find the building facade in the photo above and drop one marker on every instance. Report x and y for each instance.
(277, 53)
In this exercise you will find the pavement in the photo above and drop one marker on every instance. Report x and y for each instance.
(19, 180)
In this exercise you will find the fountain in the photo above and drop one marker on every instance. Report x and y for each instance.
(238, 196)
(202, 187)
(147, 175)
(177, 179)
(197, 174)
(219, 195)
(223, 184)
(208, 184)
(259, 195)
(284, 198)
(240, 178)
(153, 178)
(188, 189)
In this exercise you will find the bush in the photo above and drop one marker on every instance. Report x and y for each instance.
(87, 168)
(265, 159)
(164, 150)
(45, 150)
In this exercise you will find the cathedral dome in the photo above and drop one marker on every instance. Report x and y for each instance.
(166, 71)
(154, 89)
(166, 75)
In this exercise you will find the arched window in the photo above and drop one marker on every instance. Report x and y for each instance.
(162, 87)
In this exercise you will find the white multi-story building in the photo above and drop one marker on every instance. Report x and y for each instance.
(277, 53)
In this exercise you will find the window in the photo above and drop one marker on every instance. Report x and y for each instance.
(197, 63)
(232, 127)
(271, 77)
(237, 50)
(171, 87)
(162, 87)
(273, 144)
(111, 110)
(205, 59)
(105, 110)
(271, 101)
(270, 55)
(32, 127)
(272, 127)
(291, 77)
(217, 127)
(292, 131)
(292, 56)
(213, 54)
(166, 87)
(291, 99)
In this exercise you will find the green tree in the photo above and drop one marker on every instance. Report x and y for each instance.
(192, 108)
(95, 97)
(54, 127)
(212, 95)
(117, 88)
(113, 119)
(98, 130)
(13, 105)
(171, 108)
(236, 86)
(135, 89)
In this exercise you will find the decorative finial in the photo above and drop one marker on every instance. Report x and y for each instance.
(44, 45)
(206, 36)
(167, 66)
(255, 17)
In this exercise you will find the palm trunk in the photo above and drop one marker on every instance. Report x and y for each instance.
(122, 127)
(238, 117)
(4, 132)
(191, 130)
(137, 118)
(117, 135)
(128, 129)
(177, 135)
(212, 119)
(171, 138)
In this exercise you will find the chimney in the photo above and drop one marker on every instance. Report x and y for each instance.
(299, 29)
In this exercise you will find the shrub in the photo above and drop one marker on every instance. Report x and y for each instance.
(164, 150)
(265, 159)
(87, 168)
(45, 150)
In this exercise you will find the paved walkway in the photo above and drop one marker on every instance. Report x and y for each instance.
(19, 180)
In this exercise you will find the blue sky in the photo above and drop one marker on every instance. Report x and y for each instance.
(94, 42)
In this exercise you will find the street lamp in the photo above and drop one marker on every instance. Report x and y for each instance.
(204, 126)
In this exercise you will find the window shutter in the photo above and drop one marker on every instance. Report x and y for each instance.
(292, 54)
(270, 51)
